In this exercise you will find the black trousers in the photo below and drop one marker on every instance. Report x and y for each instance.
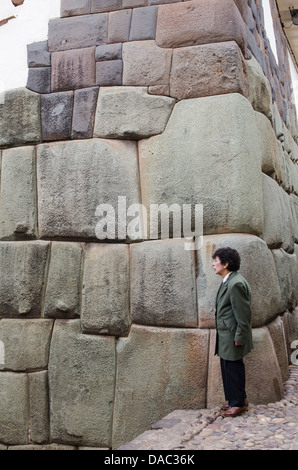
(233, 378)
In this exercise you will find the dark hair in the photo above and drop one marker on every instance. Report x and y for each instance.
(230, 256)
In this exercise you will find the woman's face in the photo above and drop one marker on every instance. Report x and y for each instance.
(218, 267)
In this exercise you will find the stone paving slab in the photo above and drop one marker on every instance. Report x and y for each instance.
(263, 427)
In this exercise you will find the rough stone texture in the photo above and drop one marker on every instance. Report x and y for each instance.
(75, 177)
(275, 226)
(143, 23)
(77, 32)
(130, 113)
(145, 64)
(56, 115)
(286, 266)
(22, 278)
(74, 7)
(163, 291)
(105, 295)
(18, 215)
(108, 52)
(81, 384)
(209, 69)
(160, 369)
(84, 113)
(19, 117)
(39, 79)
(38, 54)
(264, 378)
(260, 94)
(39, 407)
(257, 266)
(207, 140)
(98, 6)
(277, 334)
(119, 26)
(269, 146)
(73, 69)
(196, 21)
(26, 343)
(63, 286)
(109, 73)
(14, 408)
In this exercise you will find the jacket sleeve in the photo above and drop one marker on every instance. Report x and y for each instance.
(240, 301)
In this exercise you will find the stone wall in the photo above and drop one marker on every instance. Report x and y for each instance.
(160, 102)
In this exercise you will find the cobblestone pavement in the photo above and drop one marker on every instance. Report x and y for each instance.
(262, 427)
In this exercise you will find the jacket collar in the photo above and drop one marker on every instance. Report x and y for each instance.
(224, 285)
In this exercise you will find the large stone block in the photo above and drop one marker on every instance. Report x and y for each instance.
(76, 177)
(19, 117)
(260, 94)
(74, 7)
(286, 266)
(209, 69)
(161, 370)
(200, 22)
(209, 154)
(56, 115)
(84, 113)
(277, 334)
(105, 296)
(73, 69)
(163, 291)
(26, 343)
(275, 224)
(143, 23)
(263, 374)
(131, 113)
(257, 266)
(14, 408)
(98, 6)
(39, 407)
(64, 277)
(145, 64)
(269, 146)
(18, 211)
(119, 26)
(77, 32)
(38, 54)
(22, 278)
(81, 385)
(109, 72)
(39, 79)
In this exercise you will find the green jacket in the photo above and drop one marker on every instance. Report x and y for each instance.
(233, 318)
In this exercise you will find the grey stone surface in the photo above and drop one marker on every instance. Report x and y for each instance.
(130, 113)
(286, 266)
(64, 279)
(209, 143)
(277, 334)
(84, 113)
(56, 115)
(74, 7)
(38, 54)
(259, 88)
(109, 72)
(73, 69)
(257, 266)
(19, 117)
(163, 291)
(81, 384)
(98, 6)
(18, 216)
(76, 32)
(145, 64)
(105, 295)
(143, 23)
(22, 278)
(209, 69)
(39, 80)
(26, 343)
(14, 408)
(75, 177)
(108, 52)
(269, 146)
(160, 369)
(275, 224)
(39, 407)
(119, 26)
